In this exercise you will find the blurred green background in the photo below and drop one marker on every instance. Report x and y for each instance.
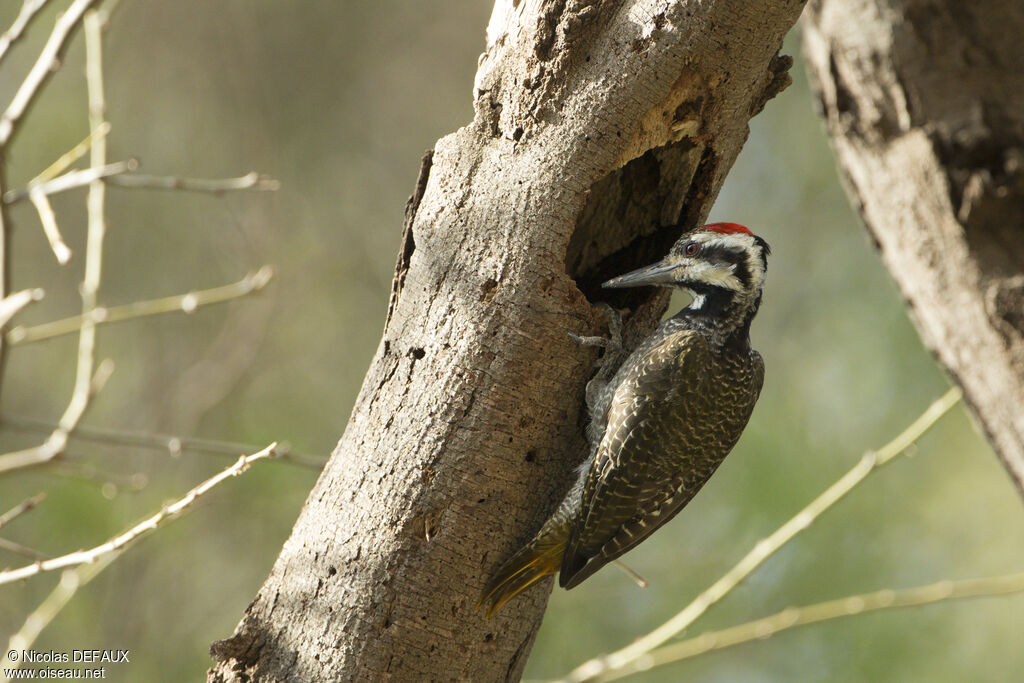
(338, 101)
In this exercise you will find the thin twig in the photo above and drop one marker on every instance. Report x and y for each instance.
(9, 120)
(598, 668)
(136, 532)
(70, 581)
(109, 8)
(29, 9)
(19, 549)
(120, 174)
(631, 573)
(87, 381)
(181, 303)
(50, 229)
(69, 180)
(20, 509)
(69, 157)
(5, 263)
(250, 181)
(58, 439)
(109, 483)
(172, 445)
(42, 69)
(792, 617)
(10, 306)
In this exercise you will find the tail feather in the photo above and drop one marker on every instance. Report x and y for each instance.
(530, 564)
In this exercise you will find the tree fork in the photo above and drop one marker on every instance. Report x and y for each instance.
(597, 124)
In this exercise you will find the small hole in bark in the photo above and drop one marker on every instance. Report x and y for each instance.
(387, 347)
(489, 637)
(417, 353)
(487, 289)
(387, 623)
(531, 456)
(331, 571)
(517, 134)
(482, 500)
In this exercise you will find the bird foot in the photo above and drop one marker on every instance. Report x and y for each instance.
(613, 342)
(596, 396)
(591, 341)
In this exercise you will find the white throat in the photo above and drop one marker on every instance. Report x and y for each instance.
(698, 301)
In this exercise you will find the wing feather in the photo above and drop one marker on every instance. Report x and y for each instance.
(621, 469)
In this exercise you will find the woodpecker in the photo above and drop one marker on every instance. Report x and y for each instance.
(663, 420)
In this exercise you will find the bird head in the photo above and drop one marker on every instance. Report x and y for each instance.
(722, 265)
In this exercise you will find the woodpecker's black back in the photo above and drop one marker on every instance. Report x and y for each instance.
(662, 424)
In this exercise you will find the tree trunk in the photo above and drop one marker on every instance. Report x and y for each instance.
(924, 100)
(602, 129)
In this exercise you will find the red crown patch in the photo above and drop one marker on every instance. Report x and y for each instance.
(728, 228)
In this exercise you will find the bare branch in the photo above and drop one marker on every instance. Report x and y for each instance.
(250, 181)
(599, 668)
(639, 580)
(29, 9)
(55, 444)
(50, 229)
(87, 382)
(184, 303)
(792, 617)
(141, 529)
(172, 445)
(110, 484)
(19, 549)
(70, 581)
(10, 306)
(21, 509)
(119, 174)
(72, 155)
(42, 70)
(5, 265)
(69, 180)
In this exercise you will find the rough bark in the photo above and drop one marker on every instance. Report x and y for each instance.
(601, 130)
(924, 101)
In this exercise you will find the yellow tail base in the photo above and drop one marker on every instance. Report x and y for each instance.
(530, 564)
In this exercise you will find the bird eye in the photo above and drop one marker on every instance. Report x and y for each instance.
(691, 248)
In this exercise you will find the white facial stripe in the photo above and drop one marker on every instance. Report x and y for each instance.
(698, 301)
(742, 241)
(719, 276)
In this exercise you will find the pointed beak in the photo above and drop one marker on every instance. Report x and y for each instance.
(657, 275)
